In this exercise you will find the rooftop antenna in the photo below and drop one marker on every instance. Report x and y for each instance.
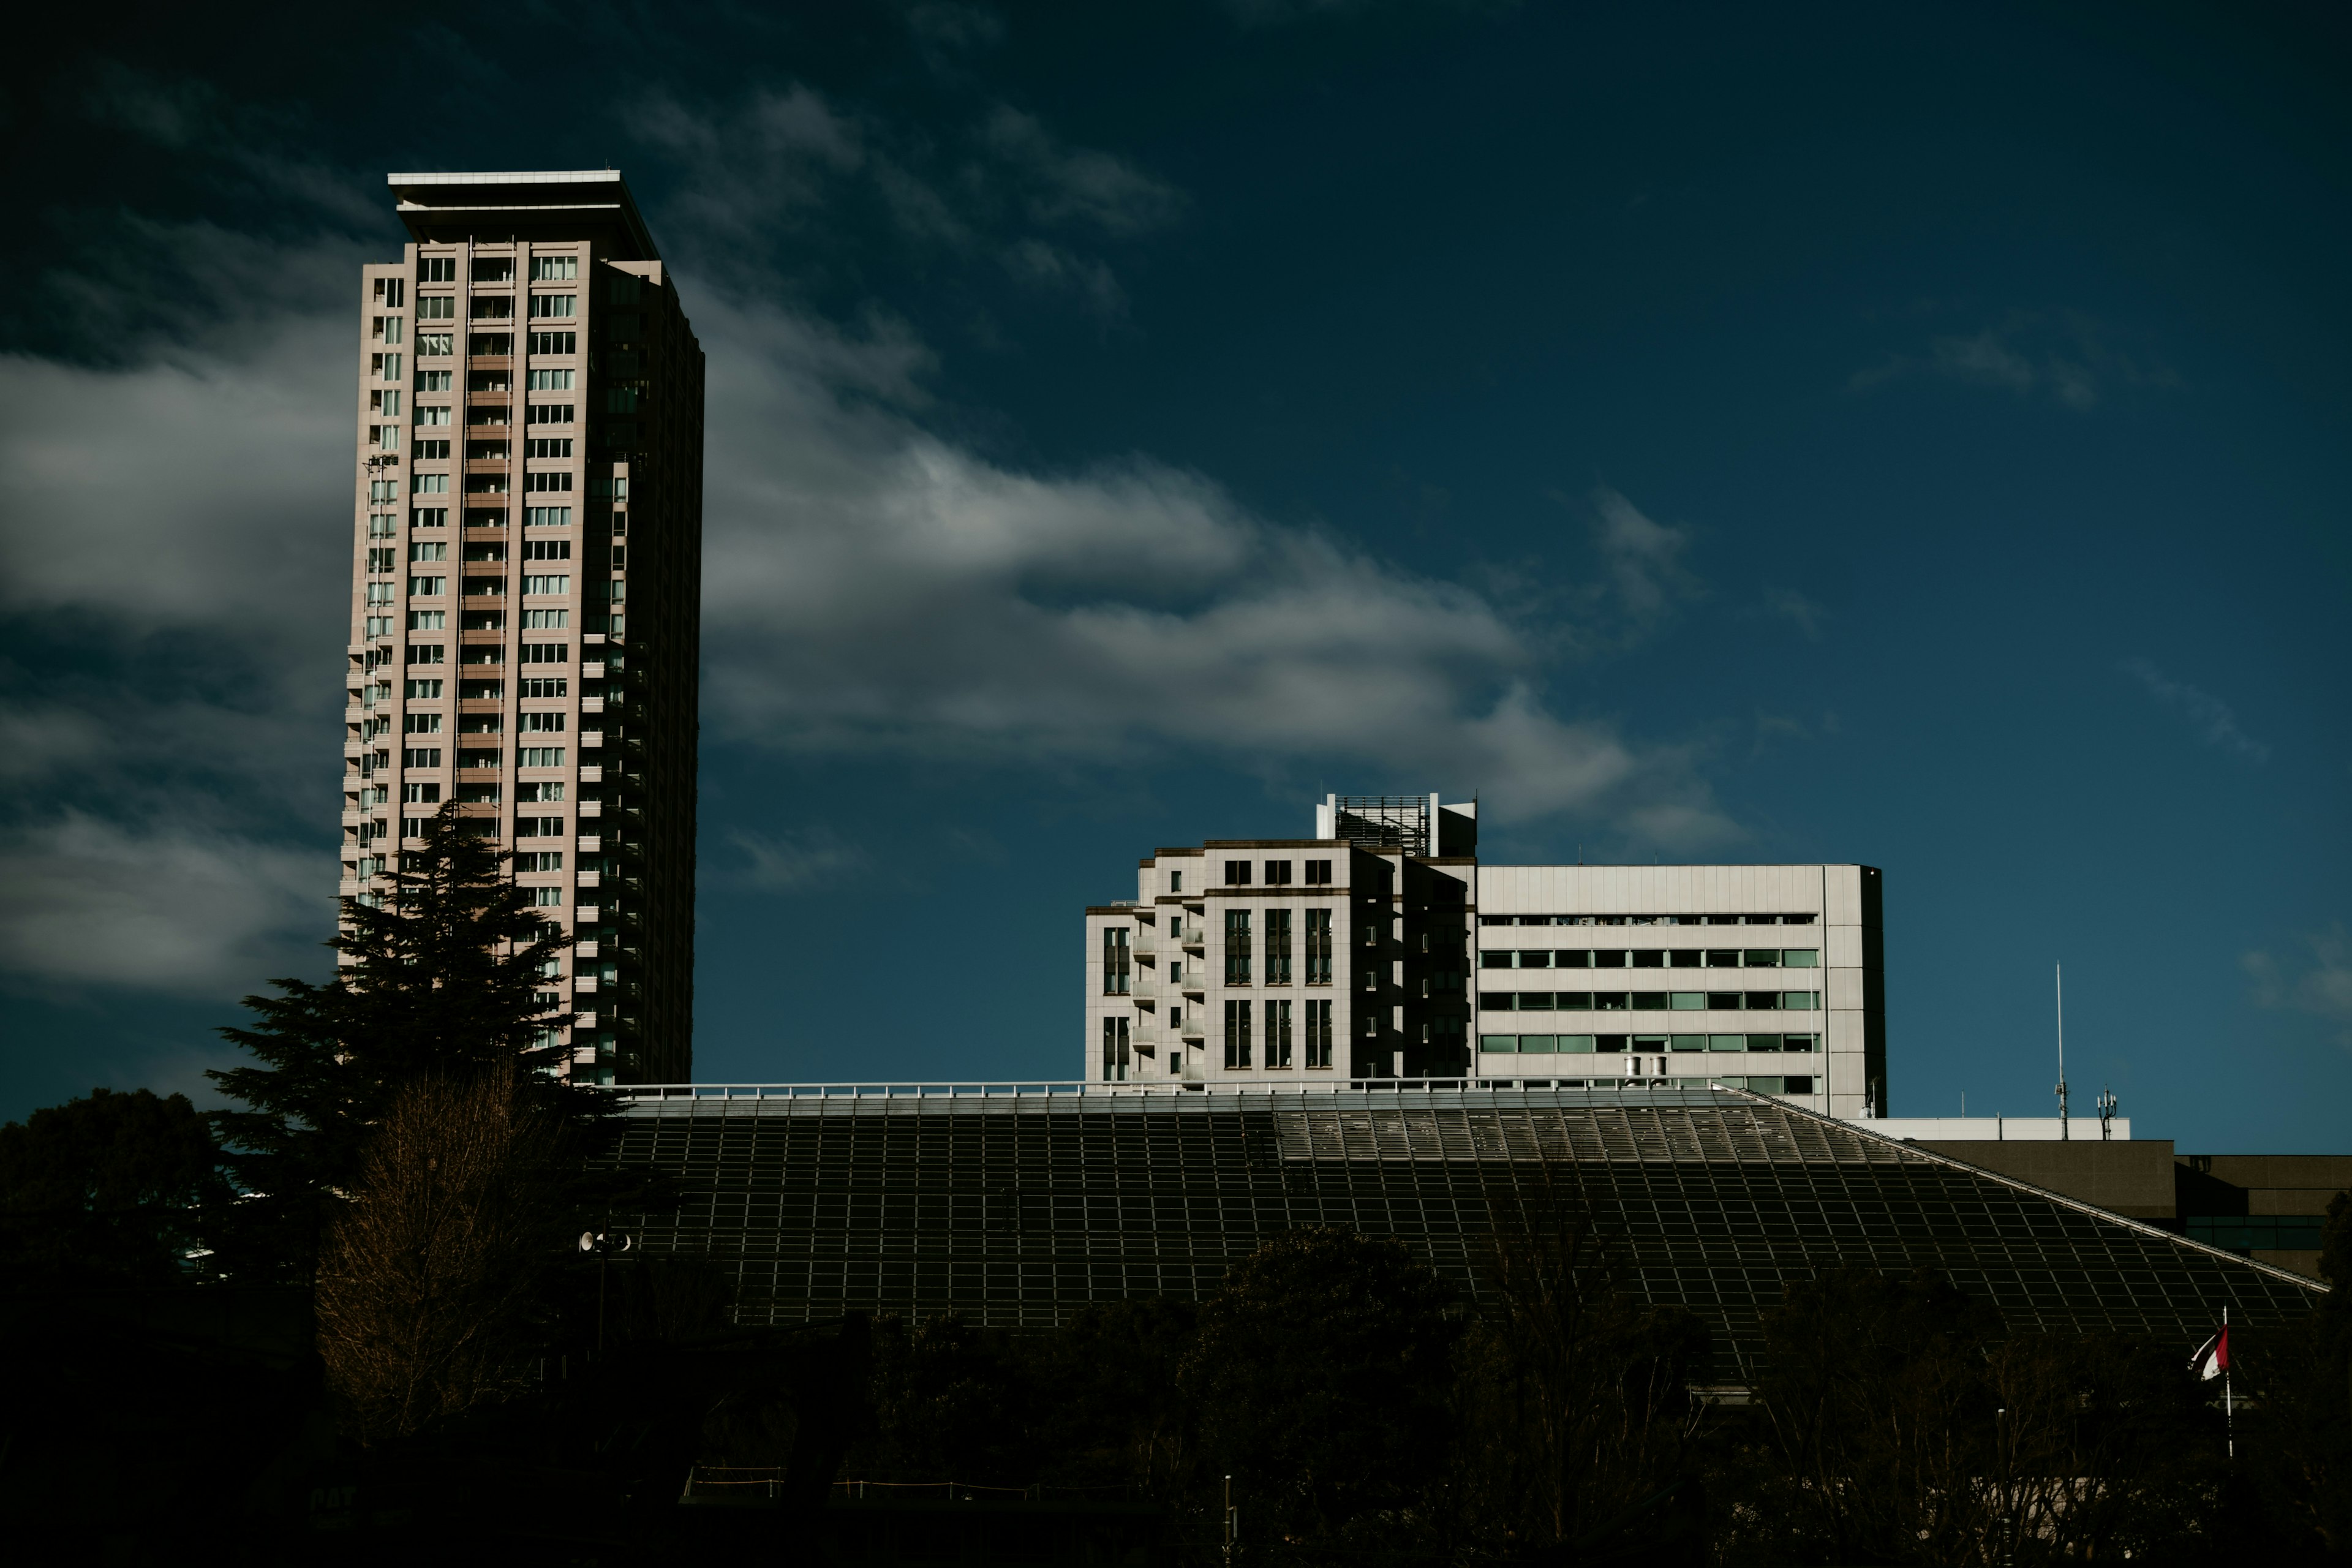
(2060, 970)
(2106, 1113)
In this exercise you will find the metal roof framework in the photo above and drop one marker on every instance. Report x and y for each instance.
(1020, 1205)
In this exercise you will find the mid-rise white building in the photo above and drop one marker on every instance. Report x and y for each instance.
(1382, 948)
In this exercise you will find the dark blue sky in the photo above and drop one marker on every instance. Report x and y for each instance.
(1911, 435)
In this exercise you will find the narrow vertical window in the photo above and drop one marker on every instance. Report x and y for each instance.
(1115, 961)
(1115, 1045)
(1318, 947)
(1277, 947)
(1237, 1035)
(1318, 1034)
(1237, 947)
(1277, 1035)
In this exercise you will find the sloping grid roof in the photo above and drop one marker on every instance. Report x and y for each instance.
(1020, 1212)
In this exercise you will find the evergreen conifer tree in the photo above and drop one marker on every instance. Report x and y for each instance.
(443, 978)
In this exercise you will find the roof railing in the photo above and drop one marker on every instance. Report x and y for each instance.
(1069, 1089)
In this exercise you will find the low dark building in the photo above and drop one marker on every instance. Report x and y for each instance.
(1019, 1208)
(2268, 1207)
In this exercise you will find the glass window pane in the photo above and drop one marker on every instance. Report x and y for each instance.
(1572, 1001)
(1801, 1001)
(1688, 1000)
(1581, 1045)
(1536, 1045)
(1763, 1042)
(1727, 1042)
(1499, 1043)
(1535, 1001)
(1689, 1042)
(1801, 957)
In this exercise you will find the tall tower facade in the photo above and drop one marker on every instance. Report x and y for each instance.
(526, 581)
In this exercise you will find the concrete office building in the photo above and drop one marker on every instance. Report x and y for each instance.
(1383, 947)
(526, 571)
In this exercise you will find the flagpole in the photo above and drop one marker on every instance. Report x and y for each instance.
(2229, 1409)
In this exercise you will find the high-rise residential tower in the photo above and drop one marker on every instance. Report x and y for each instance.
(526, 580)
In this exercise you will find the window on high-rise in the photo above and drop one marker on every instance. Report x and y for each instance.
(555, 268)
(429, 550)
(435, 414)
(420, 794)
(549, 414)
(433, 380)
(1318, 1034)
(539, 790)
(1277, 948)
(555, 305)
(429, 620)
(427, 587)
(424, 691)
(1277, 873)
(422, 724)
(493, 269)
(553, 585)
(1318, 873)
(436, 270)
(548, 447)
(437, 307)
(545, 686)
(1237, 947)
(1116, 1048)
(1237, 1035)
(1277, 1034)
(546, 550)
(1115, 959)
(551, 380)
(1318, 947)
(1237, 873)
(555, 342)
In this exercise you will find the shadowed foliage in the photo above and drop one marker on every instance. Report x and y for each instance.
(440, 979)
(110, 1189)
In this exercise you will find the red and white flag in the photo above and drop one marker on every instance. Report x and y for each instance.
(2212, 1357)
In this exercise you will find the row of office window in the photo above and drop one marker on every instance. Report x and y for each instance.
(1648, 919)
(1278, 874)
(1604, 1044)
(1315, 1021)
(1277, 947)
(1649, 1001)
(1247, 960)
(1766, 1085)
(1653, 958)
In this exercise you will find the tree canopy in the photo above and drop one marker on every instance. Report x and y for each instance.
(452, 971)
(108, 1190)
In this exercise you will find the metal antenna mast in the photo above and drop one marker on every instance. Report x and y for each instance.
(2061, 972)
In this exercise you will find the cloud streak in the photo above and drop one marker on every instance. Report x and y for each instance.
(2319, 985)
(2208, 715)
(874, 587)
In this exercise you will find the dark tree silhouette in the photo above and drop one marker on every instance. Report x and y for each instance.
(110, 1189)
(1320, 1380)
(439, 979)
(1580, 1430)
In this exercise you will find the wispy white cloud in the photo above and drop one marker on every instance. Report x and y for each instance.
(2207, 714)
(1061, 183)
(872, 587)
(157, 908)
(2064, 356)
(794, 862)
(1801, 612)
(2319, 984)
